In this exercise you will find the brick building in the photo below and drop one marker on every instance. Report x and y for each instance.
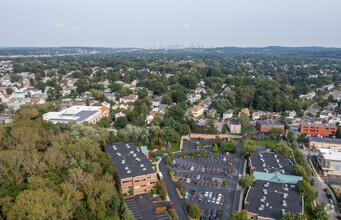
(318, 128)
(264, 126)
(133, 169)
(234, 126)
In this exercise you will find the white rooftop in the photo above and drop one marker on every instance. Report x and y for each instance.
(74, 113)
(330, 154)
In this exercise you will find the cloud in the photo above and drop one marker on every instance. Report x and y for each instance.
(187, 26)
(95, 30)
(59, 25)
(75, 28)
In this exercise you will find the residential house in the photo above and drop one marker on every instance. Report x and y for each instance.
(149, 119)
(257, 115)
(234, 126)
(212, 112)
(110, 96)
(156, 101)
(193, 97)
(67, 102)
(129, 99)
(163, 108)
(228, 114)
(118, 115)
(245, 111)
(201, 121)
(40, 100)
(197, 111)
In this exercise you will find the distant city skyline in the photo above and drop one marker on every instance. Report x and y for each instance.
(159, 24)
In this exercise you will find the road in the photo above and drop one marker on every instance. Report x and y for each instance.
(314, 108)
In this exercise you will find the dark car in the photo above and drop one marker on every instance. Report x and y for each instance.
(208, 212)
(193, 191)
(195, 181)
(214, 213)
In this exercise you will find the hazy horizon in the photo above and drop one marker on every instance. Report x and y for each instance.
(152, 23)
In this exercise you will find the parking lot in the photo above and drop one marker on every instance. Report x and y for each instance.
(208, 175)
(142, 207)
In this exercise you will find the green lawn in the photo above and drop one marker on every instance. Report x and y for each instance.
(175, 147)
(267, 142)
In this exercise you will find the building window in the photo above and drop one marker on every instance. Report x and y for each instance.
(129, 181)
(143, 180)
(137, 187)
(143, 186)
(137, 181)
(127, 187)
(152, 182)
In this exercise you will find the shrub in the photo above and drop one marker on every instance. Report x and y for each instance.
(160, 209)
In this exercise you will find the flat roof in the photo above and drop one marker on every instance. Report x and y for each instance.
(330, 154)
(129, 161)
(234, 122)
(269, 162)
(74, 113)
(272, 200)
(319, 124)
(269, 122)
(324, 140)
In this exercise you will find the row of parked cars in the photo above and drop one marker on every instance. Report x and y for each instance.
(225, 172)
(210, 215)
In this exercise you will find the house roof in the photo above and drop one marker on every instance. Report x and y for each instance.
(270, 162)
(129, 160)
(269, 122)
(144, 149)
(234, 122)
(230, 111)
(276, 177)
(324, 140)
(272, 200)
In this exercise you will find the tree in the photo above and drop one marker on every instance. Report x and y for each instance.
(127, 215)
(246, 181)
(319, 212)
(248, 147)
(162, 188)
(121, 122)
(247, 127)
(180, 185)
(299, 171)
(215, 149)
(156, 136)
(281, 148)
(175, 112)
(305, 190)
(276, 132)
(293, 216)
(291, 137)
(178, 96)
(142, 93)
(193, 210)
(242, 215)
(202, 152)
(9, 90)
(15, 78)
(231, 146)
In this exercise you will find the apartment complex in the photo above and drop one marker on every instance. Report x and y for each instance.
(264, 126)
(330, 161)
(133, 169)
(318, 129)
(90, 114)
(269, 163)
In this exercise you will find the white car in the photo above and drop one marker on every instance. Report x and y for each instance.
(192, 168)
(224, 159)
(198, 177)
(188, 180)
(239, 176)
(218, 201)
(206, 193)
(210, 195)
(219, 196)
(213, 200)
(186, 195)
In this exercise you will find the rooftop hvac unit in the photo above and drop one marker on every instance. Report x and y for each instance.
(114, 147)
(123, 161)
(134, 155)
(280, 166)
(283, 211)
(118, 154)
(126, 168)
(275, 155)
(144, 169)
(264, 165)
(262, 200)
(260, 155)
(277, 160)
(128, 171)
(131, 152)
(142, 165)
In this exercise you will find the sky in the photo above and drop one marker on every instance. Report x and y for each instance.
(149, 23)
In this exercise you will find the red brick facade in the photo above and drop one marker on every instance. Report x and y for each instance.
(140, 184)
(321, 130)
(266, 128)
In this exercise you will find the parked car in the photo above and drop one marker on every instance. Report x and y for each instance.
(206, 193)
(218, 201)
(200, 197)
(224, 159)
(192, 168)
(210, 194)
(213, 200)
(208, 212)
(214, 213)
(219, 196)
(198, 177)
(203, 170)
(193, 191)
(186, 195)
(188, 180)
(209, 200)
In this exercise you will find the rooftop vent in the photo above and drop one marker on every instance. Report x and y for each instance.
(277, 160)
(264, 165)
(260, 155)
(142, 165)
(275, 155)
(134, 155)
(126, 168)
(266, 184)
(265, 191)
(284, 203)
(144, 169)
(127, 145)
(283, 211)
(131, 152)
(114, 147)
(128, 171)
(118, 154)
(123, 161)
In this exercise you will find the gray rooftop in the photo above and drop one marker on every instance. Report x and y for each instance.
(271, 162)
(269, 122)
(275, 198)
(234, 122)
(324, 140)
(128, 160)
